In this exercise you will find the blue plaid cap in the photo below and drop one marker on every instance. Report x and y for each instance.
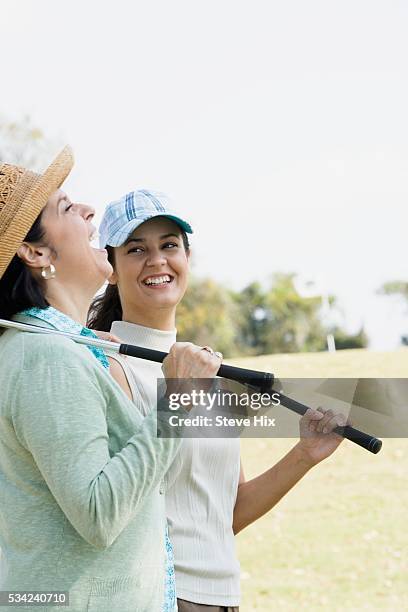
(123, 216)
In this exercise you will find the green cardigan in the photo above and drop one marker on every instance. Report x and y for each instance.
(81, 504)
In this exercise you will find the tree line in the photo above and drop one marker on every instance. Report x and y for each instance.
(258, 320)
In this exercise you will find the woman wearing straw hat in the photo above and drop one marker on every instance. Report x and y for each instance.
(81, 505)
(207, 498)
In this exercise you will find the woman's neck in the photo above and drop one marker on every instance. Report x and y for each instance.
(163, 319)
(74, 304)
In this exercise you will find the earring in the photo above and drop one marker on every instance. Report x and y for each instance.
(49, 272)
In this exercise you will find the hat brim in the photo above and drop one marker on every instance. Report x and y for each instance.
(120, 237)
(33, 203)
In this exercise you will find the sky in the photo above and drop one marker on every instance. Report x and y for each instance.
(279, 128)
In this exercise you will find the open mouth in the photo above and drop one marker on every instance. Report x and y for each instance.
(92, 238)
(158, 281)
(94, 235)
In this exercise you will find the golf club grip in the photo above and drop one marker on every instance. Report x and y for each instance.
(242, 375)
(367, 441)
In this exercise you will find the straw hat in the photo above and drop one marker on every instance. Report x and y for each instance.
(23, 195)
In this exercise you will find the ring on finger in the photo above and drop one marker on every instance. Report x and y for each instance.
(208, 349)
(219, 355)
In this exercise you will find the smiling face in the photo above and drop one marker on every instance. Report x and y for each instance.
(151, 271)
(68, 233)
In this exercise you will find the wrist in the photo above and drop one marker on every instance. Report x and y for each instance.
(302, 457)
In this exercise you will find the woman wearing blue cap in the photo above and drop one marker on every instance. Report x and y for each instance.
(207, 498)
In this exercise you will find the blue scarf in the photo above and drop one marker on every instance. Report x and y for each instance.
(61, 322)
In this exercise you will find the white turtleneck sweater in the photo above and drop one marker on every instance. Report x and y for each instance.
(201, 487)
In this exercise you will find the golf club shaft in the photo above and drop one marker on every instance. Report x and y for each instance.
(262, 380)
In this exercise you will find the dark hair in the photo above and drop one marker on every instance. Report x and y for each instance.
(107, 308)
(19, 289)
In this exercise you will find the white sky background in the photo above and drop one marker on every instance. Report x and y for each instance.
(279, 127)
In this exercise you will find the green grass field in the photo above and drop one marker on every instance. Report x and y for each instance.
(337, 541)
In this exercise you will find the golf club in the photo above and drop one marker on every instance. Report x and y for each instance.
(261, 380)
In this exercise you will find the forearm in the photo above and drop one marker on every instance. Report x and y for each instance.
(257, 496)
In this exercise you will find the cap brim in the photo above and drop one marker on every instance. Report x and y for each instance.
(120, 237)
(183, 224)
